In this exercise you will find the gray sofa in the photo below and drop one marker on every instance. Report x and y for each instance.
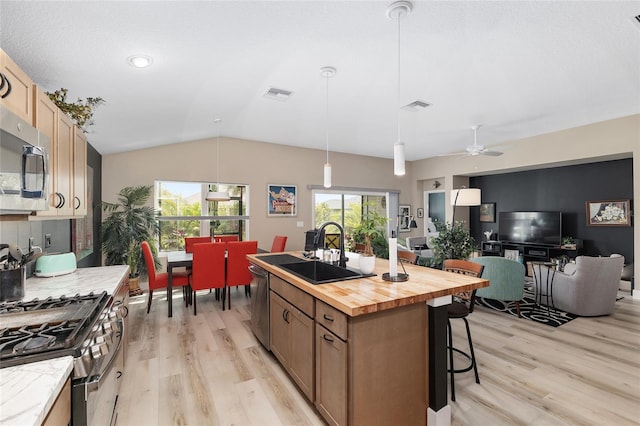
(589, 287)
(423, 242)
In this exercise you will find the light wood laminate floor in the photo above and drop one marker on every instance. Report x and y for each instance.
(211, 370)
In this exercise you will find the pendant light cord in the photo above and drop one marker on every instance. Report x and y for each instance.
(327, 118)
(398, 88)
(217, 122)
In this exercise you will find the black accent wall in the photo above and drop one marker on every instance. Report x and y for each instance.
(94, 160)
(565, 189)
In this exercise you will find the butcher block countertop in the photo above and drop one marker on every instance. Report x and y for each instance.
(372, 294)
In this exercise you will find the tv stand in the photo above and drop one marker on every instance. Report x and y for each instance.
(527, 252)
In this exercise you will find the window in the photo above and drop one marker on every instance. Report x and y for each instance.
(345, 208)
(184, 212)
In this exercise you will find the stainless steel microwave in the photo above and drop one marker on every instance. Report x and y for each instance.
(24, 165)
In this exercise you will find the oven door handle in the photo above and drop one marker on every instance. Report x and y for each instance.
(95, 383)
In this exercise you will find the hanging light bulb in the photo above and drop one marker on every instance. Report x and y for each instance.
(396, 11)
(218, 195)
(327, 73)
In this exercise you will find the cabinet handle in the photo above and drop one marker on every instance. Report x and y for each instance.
(285, 315)
(327, 338)
(327, 317)
(62, 201)
(118, 374)
(78, 200)
(5, 79)
(2, 81)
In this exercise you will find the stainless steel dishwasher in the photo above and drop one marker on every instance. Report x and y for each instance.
(260, 304)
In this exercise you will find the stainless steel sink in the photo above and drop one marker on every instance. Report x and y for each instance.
(321, 273)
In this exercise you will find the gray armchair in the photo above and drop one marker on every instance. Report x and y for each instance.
(588, 288)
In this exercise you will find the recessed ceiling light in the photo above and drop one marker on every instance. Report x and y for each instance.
(140, 61)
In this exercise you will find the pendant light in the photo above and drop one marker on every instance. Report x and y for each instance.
(217, 195)
(396, 11)
(327, 73)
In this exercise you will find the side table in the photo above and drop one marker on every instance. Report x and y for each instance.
(543, 288)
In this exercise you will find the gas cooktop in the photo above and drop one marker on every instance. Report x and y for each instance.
(41, 329)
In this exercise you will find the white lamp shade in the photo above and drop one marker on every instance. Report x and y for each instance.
(398, 159)
(466, 197)
(217, 196)
(327, 175)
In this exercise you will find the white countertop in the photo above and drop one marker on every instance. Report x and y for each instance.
(28, 391)
(82, 281)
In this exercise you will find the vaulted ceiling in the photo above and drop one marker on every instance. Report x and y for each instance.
(518, 68)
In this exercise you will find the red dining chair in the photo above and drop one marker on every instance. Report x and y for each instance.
(208, 269)
(190, 241)
(279, 242)
(225, 238)
(238, 265)
(161, 279)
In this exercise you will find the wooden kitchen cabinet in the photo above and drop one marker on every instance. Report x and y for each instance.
(16, 91)
(292, 333)
(60, 412)
(67, 159)
(331, 376)
(79, 173)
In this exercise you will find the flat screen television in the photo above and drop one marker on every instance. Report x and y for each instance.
(543, 228)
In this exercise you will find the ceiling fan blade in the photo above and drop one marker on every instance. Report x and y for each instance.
(491, 153)
(451, 154)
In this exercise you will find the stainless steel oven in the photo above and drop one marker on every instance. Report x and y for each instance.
(90, 327)
(24, 165)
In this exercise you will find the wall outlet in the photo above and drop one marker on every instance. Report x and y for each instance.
(31, 240)
(47, 240)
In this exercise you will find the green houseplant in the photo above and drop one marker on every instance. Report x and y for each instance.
(452, 242)
(130, 222)
(81, 112)
(369, 231)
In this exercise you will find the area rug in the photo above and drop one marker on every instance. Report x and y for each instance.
(529, 310)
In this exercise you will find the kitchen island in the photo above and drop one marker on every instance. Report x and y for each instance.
(366, 350)
(28, 391)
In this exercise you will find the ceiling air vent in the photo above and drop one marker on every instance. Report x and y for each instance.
(278, 94)
(416, 105)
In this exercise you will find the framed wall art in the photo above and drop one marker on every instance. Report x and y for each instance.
(608, 213)
(404, 217)
(282, 200)
(488, 212)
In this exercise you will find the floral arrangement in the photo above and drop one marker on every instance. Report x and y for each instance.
(81, 112)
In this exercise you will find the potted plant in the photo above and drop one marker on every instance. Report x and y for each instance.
(369, 231)
(130, 222)
(452, 242)
(81, 112)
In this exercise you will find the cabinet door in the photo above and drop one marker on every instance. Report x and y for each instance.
(79, 173)
(64, 164)
(45, 119)
(20, 99)
(279, 328)
(301, 355)
(331, 376)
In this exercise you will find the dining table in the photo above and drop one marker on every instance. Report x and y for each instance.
(178, 259)
(175, 259)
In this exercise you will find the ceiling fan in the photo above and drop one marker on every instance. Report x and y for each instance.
(476, 149)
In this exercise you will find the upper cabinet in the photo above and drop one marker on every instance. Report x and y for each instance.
(16, 88)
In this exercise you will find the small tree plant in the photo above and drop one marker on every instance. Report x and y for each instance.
(130, 222)
(452, 242)
(370, 232)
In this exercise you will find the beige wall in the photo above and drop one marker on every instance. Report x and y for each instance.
(256, 164)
